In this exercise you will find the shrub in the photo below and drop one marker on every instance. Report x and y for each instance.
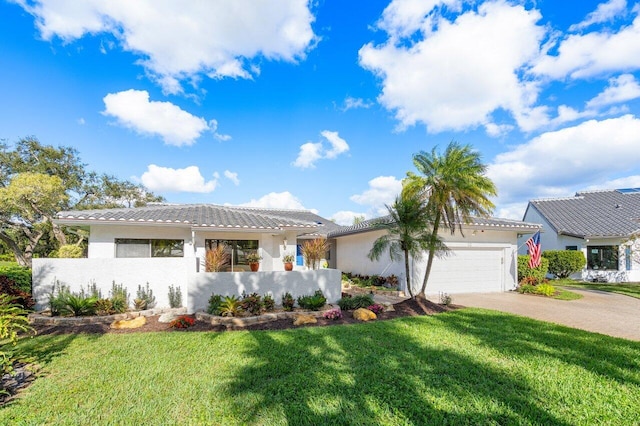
(524, 271)
(313, 251)
(17, 296)
(376, 308)
(13, 320)
(288, 302)
(20, 275)
(146, 297)
(526, 289)
(57, 297)
(77, 305)
(183, 321)
(545, 290)
(230, 306)
(216, 259)
(445, 299)
(104, 307)
(92, 290)
(314, 302)
(119, 298)
(333, 314)
(175, 297)
(214, 304)
(355, 302)
(70, 251)
(563, 263)
(251, 303)
(268, 303)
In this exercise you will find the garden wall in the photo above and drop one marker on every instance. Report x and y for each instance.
(160, 273)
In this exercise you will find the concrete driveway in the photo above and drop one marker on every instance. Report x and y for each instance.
(598, 311)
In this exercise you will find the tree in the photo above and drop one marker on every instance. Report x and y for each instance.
(406, 234)
(358, 219)
(81, 190)
(455, 188)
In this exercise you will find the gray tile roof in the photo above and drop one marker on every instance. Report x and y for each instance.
(592, 213)
(488, 223)
(206, 216)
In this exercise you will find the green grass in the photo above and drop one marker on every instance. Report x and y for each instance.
(562, 294)
(469, 366)
(628, 289)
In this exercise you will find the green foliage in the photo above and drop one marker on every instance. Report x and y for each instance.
(349, 303)
(288, 302)
(16, 295)
(104, 307)
(70, 251)
(13, 322)
(119, 298)
(77, 305)
(314, 302)
(230, 306)
(268, 303)
(538, 274)
(145, 295)
(527, 289)
(251, 303)
(57, 297)
(445, 299)
(541, 289)
(563, 263)
(20, 275)
(214, 304)
(175, 296)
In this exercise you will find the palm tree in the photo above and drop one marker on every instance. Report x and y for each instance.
(406, 232)
(455, 188)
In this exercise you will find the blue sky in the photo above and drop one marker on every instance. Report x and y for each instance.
(321, 105)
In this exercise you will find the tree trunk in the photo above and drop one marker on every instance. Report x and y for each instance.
(406, 271)
(17, 252)
(434, 236)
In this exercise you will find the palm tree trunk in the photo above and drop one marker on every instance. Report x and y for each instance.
(432, 252)
(406, 271)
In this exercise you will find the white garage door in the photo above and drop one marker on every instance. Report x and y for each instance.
(467, 270)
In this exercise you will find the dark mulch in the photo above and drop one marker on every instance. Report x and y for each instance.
(405, 308)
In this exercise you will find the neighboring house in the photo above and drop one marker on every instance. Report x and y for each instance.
(165, 245)
(482, 257)
(596, 223)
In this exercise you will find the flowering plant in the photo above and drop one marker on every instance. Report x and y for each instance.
(333, 314)
(182, 321)
(376, 308)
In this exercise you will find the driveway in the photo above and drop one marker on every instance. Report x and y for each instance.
(598, 311)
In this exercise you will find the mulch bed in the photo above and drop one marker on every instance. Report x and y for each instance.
(405, 308)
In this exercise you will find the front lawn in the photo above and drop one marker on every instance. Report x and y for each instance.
(628, 289)
(469, 366)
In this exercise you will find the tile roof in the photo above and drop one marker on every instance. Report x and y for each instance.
(592, 213)
(206, 216)
(488, 223)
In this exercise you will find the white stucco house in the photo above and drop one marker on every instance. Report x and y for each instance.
(482, 257)
(596, 223)
(165, 245)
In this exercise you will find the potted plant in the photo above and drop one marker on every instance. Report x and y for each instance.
(254, 259)
(288, 259)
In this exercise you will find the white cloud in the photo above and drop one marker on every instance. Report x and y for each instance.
(551, 164)
(382, 190)
(179, 40)
(355, 103)
(619, 183)
(346, 217)
(513, 211)
(486, 52)
(606, 11)
(621, 89)
(401, 18)
(588, 55)
(134, 110)
(311, 152)
(232, 176)
(213, 125)
(278, 200)
(189, 179)
(81, 121)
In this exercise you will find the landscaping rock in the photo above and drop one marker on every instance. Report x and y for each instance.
(363, 314)
(168, 317)
(132, 323)
(304, 319)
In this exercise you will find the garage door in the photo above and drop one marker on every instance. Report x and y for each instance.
(467, 270)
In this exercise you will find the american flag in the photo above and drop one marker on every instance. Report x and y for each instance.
(535, 250)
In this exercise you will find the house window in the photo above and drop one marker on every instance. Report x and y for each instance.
(133, 247)
(602, 257)
(236, 248)
(571, 248)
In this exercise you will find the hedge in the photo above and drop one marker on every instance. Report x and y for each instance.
(563, 263)
(538, 273)
(19, 275)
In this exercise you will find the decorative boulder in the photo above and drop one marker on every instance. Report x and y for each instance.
(363, 314)
(304, 319)
(131, 323)
(168, 317)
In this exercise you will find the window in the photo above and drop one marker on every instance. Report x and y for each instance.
(602, 257)
(571, 248)
(236, 248)
(131, 247)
